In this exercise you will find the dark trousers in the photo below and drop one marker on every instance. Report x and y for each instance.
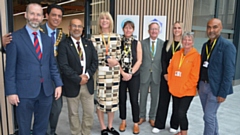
(40, 107)
(133, 89)
(54, 115)
(163, 104)
(180, 108)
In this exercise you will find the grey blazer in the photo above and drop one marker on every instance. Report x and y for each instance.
(149, 65)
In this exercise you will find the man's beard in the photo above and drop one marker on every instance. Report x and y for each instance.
(75, 35)
(33, 25)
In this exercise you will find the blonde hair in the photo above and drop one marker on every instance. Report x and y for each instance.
(171, 38)
(108, 15)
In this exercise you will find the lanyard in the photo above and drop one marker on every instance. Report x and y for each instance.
(175, 49)
(106, 45)
(209, 53)
(125, 49)
(181, 61)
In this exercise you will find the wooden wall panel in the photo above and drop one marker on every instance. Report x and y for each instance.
(6, 108)
(175, 10)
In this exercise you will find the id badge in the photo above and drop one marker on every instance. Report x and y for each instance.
(178, 73)
(82, 63)
(126, 60)
(205, 64)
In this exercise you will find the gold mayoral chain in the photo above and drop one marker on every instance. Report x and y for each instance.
(57, 41)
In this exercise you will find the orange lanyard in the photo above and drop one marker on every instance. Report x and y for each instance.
(209, 53)
(181, 61)
(106, 45)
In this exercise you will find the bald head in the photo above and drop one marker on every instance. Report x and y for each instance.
(214, 28)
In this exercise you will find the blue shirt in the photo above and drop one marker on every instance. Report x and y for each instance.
(50, 31)
(30, 31)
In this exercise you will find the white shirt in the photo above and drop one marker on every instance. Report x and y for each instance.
(83, 62)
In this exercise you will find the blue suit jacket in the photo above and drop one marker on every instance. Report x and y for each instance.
(221, 67)
(24, 70)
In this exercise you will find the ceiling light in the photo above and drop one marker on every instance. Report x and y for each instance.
(61, 3)
(95, 3)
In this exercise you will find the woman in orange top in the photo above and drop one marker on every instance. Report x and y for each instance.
(183, 74)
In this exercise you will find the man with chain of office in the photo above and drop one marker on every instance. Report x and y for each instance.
(54, 16)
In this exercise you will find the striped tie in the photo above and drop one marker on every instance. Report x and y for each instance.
(37, 46)
(79, 50)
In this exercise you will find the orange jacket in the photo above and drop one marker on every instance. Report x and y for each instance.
(186, 84)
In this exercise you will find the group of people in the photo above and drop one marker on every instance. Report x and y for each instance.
(40, 58)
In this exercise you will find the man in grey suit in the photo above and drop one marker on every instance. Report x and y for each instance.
(54, 18)
(150, 71)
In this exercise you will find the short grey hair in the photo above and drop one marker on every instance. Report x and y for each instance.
(188, 34)
(149, 26)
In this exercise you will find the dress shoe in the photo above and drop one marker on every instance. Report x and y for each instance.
(135, 129)
(104, 132)
(141, 121)
(122, 127)
(113, 131)
(151, 122)
(156, 130)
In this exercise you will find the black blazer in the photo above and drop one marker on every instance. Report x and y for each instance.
(70, 66)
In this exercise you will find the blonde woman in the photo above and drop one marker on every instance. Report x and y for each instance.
(108, 46)
(169, 48)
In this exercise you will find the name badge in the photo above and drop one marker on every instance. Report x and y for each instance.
(82, 63)
(205, 64)
(178, 73)
(126, 60)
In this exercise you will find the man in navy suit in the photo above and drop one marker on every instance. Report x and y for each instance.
(30, 70)
(54, 18)
(78, 61)
(216, 74)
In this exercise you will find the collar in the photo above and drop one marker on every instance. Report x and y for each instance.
(155, 41)
(49, 29)
(30, 31)
(75, 41)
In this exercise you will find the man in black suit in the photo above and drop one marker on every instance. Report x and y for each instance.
(54, 16)
(77, 59)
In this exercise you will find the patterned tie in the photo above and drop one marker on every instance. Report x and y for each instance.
(79, 50)
(153, 48)
(53, 37)
(37, 46)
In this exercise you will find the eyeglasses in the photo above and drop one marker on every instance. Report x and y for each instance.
(76, 26)
(154, 29)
